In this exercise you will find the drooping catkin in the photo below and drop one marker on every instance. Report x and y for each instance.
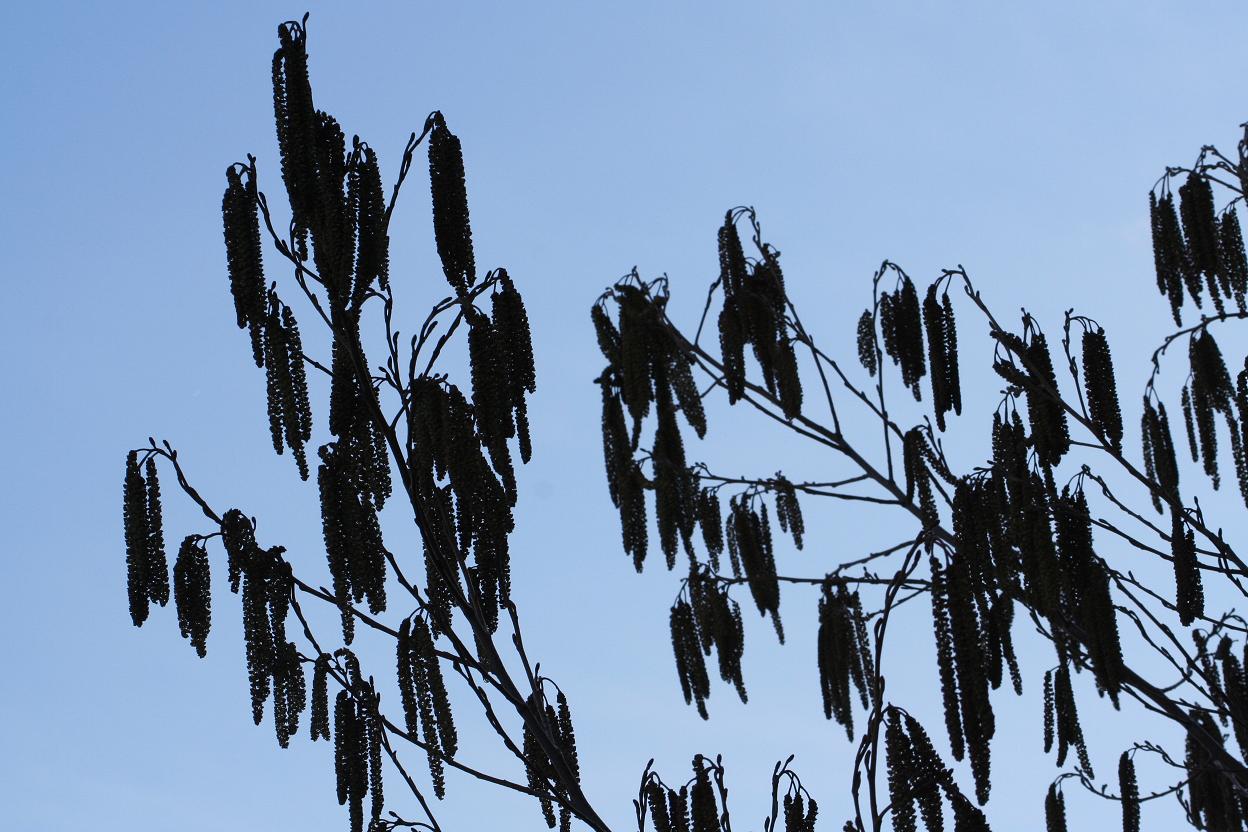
(372, 263)
(511, 322)
(134, 515)
(900, 766)
(156, 570)
(1189, 592)
(945, 660)
(866, 342)
(1129, 791)
(451, 227)
(244, 261)
(1085, 590)
(192, 593)
(1049, 430)
(789, 510)
(320, 698)
(941, 353)
(1100, 387)
(537, 765)
(296, 129)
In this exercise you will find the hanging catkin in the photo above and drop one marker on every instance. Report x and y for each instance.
(1129, 790)
(1189, 592)
(451, 227)
(898, 759)
(243, 254)
(1100, 387)
(866, 342)
(320, 698)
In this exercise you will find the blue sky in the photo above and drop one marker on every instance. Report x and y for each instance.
(1017, 140)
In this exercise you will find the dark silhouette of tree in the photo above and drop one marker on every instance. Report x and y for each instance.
(1020, 533)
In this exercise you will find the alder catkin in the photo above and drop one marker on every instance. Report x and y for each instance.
(1129, 790)
(1189, 593)
(1100, 387)
(137, 536)
(451, 227)
(866, 342)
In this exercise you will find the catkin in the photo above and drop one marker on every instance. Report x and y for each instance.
(320, 698)
(1130, 793)
(1189, 593)
(134, 514)
(451, 228)
(900, 765)
(866, 342)
(244, 261)
(1101, 388)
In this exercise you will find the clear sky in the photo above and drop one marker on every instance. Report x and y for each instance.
(1017, 139)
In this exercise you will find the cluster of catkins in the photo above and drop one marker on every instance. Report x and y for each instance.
(147, 569)
(1061, 718)
(1214, 801)
(539, 766)
(754, 313)
(902, 328)
(1210, 393)
(1194, 248)
(693, 807)
(501, 354)
(267, 584)
(1050, 432)
(917, 777)
(354, 481)
(275, 341)
(647, 367)
(708, 619)
(844, 653)
(1017, 537)
(359, 734)
(426, 708)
